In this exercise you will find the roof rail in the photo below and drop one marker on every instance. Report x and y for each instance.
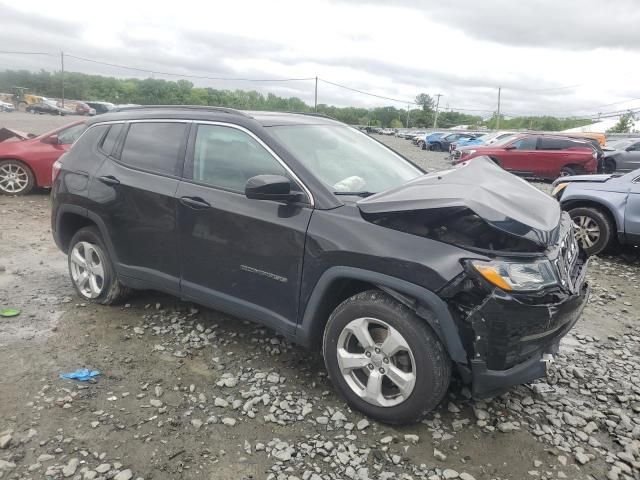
(315, 114)
(231, 111)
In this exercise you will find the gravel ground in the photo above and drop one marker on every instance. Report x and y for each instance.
(190, 393)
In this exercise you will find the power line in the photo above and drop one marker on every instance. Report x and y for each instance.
(24, 53)
(173, 74)
(366, 93)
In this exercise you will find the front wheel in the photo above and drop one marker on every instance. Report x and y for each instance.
(593, 229)
(384, 360)
(435, 147)
(91, 269)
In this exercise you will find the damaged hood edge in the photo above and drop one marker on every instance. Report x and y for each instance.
(504, 201)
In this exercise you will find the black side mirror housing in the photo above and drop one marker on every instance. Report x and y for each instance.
(270, 187)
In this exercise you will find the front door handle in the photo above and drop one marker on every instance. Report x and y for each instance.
(196, 203)
(109, 180)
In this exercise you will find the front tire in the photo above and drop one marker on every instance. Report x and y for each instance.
(435, 147)
(384, 360)
(91, 269)
(594, 230)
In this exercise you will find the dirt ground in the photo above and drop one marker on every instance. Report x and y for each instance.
(189, 393)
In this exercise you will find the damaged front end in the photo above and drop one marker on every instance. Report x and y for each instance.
(523, 283)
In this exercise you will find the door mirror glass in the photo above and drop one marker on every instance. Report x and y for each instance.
(270, 187)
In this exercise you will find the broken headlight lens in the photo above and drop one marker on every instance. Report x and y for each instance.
(517, 276)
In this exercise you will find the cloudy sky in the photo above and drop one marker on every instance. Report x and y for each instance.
(559, 57)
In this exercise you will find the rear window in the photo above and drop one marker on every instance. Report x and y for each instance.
(111, 138)
(155, 147)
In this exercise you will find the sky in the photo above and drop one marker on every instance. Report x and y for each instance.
(560, 57)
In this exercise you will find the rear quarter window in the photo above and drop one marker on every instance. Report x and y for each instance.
(111, 138)
(82, 155)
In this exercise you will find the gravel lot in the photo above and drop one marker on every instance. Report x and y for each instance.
(190, 393)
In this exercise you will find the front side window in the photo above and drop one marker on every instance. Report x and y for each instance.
(226, 157)
(344, 159)
(155, 146)
(71, 134)
(525, 143)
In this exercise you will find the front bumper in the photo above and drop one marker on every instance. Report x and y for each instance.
(517, 337)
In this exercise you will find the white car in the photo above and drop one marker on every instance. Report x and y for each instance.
(6, 107)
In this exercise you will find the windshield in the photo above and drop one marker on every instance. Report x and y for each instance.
(618, 144)
(505, 140)
(346, 160)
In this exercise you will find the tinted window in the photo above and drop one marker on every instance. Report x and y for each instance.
(634, 148)
(111, 138)
(526, 143)
(71, 134)
(156, 147)
(558, 144)
(80, 157)
(226, 157)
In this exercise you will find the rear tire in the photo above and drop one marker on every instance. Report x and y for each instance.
(594, 229)
(91, 269)
(16, 178)
(568, 171)
(410, 372)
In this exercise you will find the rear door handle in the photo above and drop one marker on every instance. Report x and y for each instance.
(109, 180)
(196, 203)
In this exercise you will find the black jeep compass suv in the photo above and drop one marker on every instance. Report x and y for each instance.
(322, 233)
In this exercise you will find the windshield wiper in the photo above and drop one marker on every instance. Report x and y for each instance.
(356, 194)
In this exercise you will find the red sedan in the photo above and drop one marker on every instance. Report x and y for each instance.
(27, 162)
(536, 156)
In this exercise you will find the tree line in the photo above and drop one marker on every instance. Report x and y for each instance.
(151, 91)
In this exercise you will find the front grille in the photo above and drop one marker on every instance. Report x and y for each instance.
(566, 261)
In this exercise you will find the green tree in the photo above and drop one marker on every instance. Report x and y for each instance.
(395, 123)
(425, 101)
(625, 123)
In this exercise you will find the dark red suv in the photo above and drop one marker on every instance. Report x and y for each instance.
(540, 156)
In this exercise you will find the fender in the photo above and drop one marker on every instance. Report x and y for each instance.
(613, 202)
(83, 212)
(444, 325)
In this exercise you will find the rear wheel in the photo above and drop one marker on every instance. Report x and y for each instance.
(594, 230)
(15, 178)
(384, 360)
(91, 269)
(568, 171)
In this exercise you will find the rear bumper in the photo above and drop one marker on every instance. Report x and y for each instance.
(515, 357)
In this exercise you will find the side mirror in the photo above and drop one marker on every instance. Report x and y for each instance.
(510, 147)
(270, 187)
(52, 140)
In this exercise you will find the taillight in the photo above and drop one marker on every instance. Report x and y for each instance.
(55, 170)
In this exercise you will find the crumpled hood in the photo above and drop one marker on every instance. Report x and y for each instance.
(600, 178)
(501, 199)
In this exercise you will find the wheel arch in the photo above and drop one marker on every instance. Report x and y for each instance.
(71, 218)
(607, 210)
(323, 301)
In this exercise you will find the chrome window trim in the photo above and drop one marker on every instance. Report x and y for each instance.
(222, 124)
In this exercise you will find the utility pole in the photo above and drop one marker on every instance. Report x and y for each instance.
(435, 120)
(498, 118)
(62, 65)
(315, 103)
(407, 115)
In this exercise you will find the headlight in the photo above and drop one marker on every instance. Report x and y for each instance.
(558, 188)
(517, 276)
